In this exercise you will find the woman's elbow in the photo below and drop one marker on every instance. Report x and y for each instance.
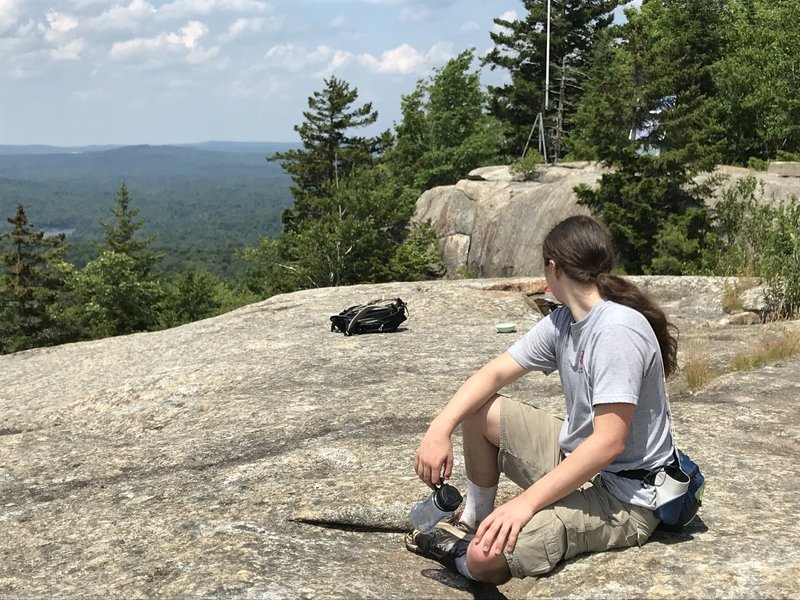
(617, 449)
(613, 448)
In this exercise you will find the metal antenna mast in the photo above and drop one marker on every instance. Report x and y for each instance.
(540, 116)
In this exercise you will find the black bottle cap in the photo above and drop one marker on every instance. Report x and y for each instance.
(447, 497)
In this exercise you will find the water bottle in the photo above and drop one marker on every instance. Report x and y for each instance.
(549, 297)
(439, 505)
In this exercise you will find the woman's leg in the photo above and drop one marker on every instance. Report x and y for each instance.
(481, 436)
(484, 434)
(481, 432)
(522, 442)
(587, 520)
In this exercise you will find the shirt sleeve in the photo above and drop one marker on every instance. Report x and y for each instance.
(536, 350)
(617, 363)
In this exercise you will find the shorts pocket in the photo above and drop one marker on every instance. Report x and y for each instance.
(541, 545)
(595, 522)
(645, 522)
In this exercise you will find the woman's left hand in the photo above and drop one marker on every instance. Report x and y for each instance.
(501, 528)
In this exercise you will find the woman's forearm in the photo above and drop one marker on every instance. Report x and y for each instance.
(476, 391)
(576, 469)
(597, 452)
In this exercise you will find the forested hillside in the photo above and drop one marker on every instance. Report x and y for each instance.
(201, 202)
(677, 87)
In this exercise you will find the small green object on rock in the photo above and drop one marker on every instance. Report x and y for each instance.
(506, 327)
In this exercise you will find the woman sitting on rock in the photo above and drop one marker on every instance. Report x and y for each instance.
(580, 475)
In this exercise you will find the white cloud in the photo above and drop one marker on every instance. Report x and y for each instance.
(200, 55)
(69, 51)
(415, 12)
(9, 13)
(420, 3)
(258, 85)
(153, 48)
(509, 15)
(239, 26)
(295, 58)
(35, 44)
(180, 9)
(403, 59)
(27, 29)
(81, 4)
(338, 61)
(406, 59)
(91, 95)
(228, 56)
(21, 58)
(190, 34)
(121, 16)
(60, 22)
(130, 48)
(58, 35)
(244, 26)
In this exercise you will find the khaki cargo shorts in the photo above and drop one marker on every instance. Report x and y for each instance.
(588, 520)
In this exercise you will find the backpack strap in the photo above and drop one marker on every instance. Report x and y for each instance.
(351, 327)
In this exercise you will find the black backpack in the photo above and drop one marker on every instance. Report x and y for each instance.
(373, 317)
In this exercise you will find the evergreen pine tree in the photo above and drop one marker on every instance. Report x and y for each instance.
(520, 47)
(33, 276)
(115, 298)
(607, 118)
(118, 292)
(358, 229)
(681, 42)
(198, 294)
(650, 113)
(758, 82)
(444, 132)
(329, 153)
(119, 234)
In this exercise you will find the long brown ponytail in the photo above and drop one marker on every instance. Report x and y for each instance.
(583, 250)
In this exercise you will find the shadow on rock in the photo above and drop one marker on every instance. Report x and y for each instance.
(663, 536)
(482, 591)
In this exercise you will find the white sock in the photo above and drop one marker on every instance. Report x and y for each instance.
(461, 567)
(479, 504)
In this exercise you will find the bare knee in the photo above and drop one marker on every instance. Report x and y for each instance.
(487, 566)
(485, 421)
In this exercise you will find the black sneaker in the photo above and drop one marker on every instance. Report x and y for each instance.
(454, 525)
(439, 545)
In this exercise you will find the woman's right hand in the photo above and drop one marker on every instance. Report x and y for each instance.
(434, 460)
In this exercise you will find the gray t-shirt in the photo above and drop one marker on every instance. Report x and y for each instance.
(612, 355)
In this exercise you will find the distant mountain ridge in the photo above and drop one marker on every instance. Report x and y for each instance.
(143, 161)
(44, 149)
(214, 145)
(203, 202)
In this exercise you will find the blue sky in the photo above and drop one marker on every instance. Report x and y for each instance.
(76, 72)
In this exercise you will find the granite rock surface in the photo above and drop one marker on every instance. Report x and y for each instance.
(492, 223)
(259, 455)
